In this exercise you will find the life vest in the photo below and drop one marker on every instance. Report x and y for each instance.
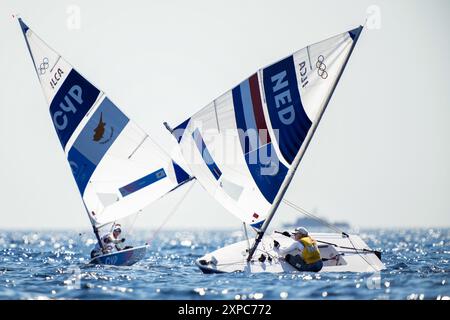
(310, 253)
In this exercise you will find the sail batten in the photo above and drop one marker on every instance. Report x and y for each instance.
(98, 139)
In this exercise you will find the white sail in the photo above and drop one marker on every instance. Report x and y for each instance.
(242, 145)
(118, 168)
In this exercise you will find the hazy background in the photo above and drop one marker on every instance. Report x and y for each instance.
(380, 156)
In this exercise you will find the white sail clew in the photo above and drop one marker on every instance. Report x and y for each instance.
(241, 146)
(118, 169)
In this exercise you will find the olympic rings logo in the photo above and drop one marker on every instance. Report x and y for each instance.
(321, 67)
(43, 66)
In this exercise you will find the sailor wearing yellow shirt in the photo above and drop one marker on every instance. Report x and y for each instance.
(303, 254)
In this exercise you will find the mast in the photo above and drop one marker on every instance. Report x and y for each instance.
(98, 237)
(299, 156)
(95, 229)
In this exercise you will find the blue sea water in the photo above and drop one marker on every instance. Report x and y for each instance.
(53, 265)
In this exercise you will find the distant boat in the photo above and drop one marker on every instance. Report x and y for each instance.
(314, 224)
(118, 168)
(245, 146)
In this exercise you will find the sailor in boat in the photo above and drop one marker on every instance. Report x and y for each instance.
(111, 242)
(303, 254)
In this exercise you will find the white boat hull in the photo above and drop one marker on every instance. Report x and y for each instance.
(233, 258)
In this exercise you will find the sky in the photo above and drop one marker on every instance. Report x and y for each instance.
(380, 157)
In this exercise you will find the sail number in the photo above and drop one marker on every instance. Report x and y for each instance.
(303, 76)
(283, 100)
(56, 77)
(111, 260)
(59, 117)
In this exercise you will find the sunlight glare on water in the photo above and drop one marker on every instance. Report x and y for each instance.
(53, 265)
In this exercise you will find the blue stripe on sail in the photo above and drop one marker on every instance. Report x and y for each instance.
(70, 104)
(179, 130)
(258, 225)
(101, 131)
(180, 174)
(201, 146)
(354, 34)
(263, 163)
(142, 182)
(23, 26)
(267, 171)
(249, 116)
(82, 168)
(240, 118)
(94, 141)
(285, 108)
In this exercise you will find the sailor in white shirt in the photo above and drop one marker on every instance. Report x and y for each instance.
(109, 241)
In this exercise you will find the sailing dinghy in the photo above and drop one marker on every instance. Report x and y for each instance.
(245, 146)
(117, 167)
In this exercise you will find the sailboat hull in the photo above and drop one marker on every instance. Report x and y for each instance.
(126, 257)
(233, 258)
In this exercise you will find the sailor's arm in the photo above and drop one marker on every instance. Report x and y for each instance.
(109, 238)
(117, 241)
(285, 250)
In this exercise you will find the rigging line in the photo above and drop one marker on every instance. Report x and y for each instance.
(359, 254)
(309, 58)
(217, 118)
(138, 146)
(244, 262)
(259, 147)
(342, 247)
(246, 235)
(266, 251)
(292, 205)
(54, 65)
(349, 248)
(95, 106)
(174, 209)
(307, 213)
(131, 229)
(357, 250)
(231, 263)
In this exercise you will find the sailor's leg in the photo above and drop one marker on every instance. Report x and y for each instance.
(296, 261)
(318, 265)
(313, 267)
(288, 258)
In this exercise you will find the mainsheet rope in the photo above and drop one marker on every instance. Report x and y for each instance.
(333, 227)
(174, 210)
